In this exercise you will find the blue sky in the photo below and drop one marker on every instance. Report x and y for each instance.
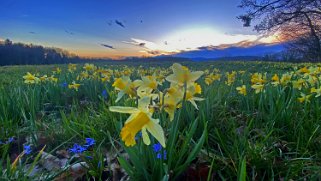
(161, 26)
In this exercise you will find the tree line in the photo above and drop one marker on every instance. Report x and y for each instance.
(23, 54)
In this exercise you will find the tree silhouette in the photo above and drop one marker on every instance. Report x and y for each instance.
(298, 21)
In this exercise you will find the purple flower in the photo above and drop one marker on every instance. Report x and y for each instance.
(89, 142)
(27, 149)
(77, 149)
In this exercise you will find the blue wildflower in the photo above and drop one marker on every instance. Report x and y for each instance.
(157, 147)
(89, 142)
(10, 140)
(99, 164)
(162, 155)
(104, 94)
(65, 84)
(27, 149)
(77, 149)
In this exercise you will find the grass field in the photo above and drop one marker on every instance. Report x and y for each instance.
(205, 121)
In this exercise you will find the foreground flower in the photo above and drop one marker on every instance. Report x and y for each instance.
(77, 149)
(30, 78)
(182, 75)
(140, 119)
(241, 90)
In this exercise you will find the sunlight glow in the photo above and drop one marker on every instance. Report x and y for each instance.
(194, 38)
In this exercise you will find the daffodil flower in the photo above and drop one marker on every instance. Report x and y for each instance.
(125, 86)
(89, 67)
(191, 91)
(182, 75)
(74, 85)
(304, 98)
(317, 91)
(30, 78)
(258, 88)
(140, 119)
(241, 90)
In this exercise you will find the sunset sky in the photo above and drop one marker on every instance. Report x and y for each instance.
(119, 28)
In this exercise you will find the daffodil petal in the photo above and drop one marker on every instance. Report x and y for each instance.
(145, 136)
(120, 95)
(143, 103)
(120, 109)
(171, 78)
(157, 131)
(193, 103)
(196, 75)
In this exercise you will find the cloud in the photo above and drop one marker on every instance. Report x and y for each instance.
(107, 46)
(119, 23)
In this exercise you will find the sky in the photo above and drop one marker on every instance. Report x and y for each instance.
(122, 28)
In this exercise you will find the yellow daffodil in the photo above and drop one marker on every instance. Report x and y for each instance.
(30, 78)
(285, 79)
(230, 78)
(182, 75)
(53, 79)
(72, 67)
(258, 78)
(304, 70)
(43, 78)
(191, 91)
(241, 90)
(74, 85)
(57, 71)
(89, 67)
(317, 91)
(298, 84)
(125, 86)
(275, 80)
(304, 98)
(170, 105)
(258, 88)
(147, 84)
(140, 119)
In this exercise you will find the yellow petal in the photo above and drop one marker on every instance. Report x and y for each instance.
(120, 109)
(145, 136)
(196, 75)
(131, 128)
(157, 131)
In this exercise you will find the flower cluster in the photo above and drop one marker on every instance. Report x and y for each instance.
(80, 149)
(160, 152)
(150, 99)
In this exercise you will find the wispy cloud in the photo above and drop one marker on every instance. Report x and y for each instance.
(107, 46)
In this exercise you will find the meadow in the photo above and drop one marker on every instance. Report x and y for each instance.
(161, 121)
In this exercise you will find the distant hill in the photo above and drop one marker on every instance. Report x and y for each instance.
(233, 52)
